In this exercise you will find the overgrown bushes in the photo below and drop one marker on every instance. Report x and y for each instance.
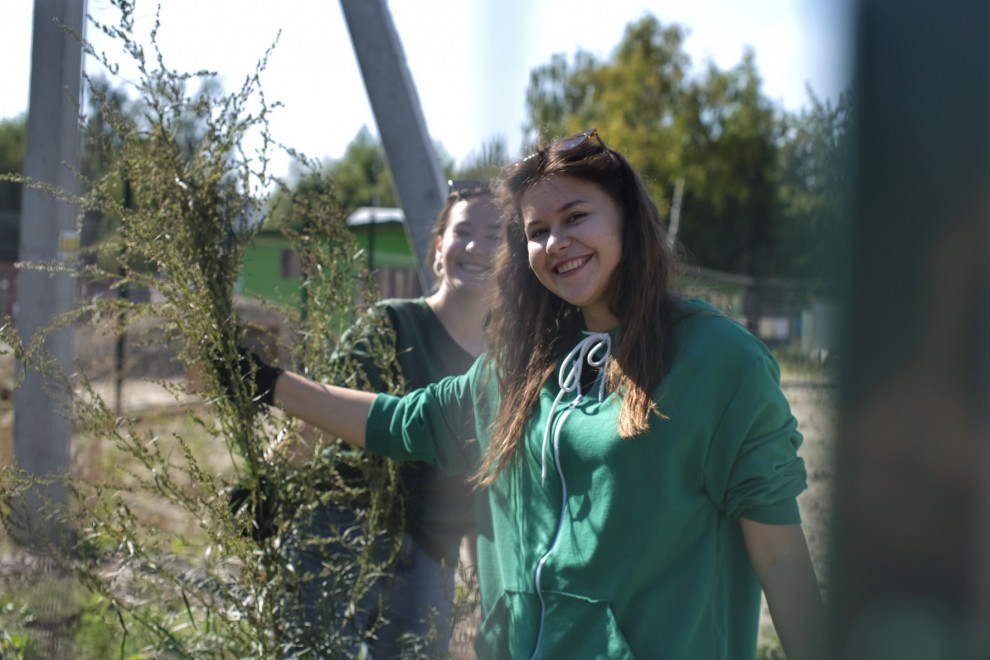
(185, 195)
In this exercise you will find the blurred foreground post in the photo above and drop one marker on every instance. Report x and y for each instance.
(48, 233)
(419, 180)
(911, 552)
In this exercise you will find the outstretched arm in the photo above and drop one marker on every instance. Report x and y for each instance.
(337, 410)
(779, 554)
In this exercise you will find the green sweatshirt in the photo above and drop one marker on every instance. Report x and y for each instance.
(627, 548)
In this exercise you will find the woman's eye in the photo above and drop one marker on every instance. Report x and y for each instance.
(574, 217)
(536, 233)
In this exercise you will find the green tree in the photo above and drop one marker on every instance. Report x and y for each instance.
(716, 132)
(362, 176)
(643, 98)
(730, 138)
(13, 138)
(485, 165)
(559, 96)
(813, 191)
(635, 99)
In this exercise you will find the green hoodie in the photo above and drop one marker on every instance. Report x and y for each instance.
(627, 548)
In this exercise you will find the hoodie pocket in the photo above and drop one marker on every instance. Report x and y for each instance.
(573, 627)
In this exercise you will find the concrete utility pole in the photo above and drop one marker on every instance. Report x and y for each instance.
(415, 169)
(48, 233)
(911, 552)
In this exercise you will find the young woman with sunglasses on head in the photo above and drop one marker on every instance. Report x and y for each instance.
(635, 459)
(435, 336)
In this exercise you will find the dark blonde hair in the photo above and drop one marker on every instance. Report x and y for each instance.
(530, 326)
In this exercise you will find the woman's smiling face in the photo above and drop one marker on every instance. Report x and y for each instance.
(574, 235)
(466, 249)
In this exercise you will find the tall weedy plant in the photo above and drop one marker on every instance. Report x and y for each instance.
(186, 199)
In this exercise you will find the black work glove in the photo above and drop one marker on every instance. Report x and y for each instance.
(262, 512)
(250, 367)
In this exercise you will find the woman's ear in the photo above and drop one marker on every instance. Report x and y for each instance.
(437, 256)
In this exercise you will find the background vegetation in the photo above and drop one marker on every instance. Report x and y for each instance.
(762, 189)
(157, 550)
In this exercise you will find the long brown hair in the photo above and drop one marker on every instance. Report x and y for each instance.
(530, 326)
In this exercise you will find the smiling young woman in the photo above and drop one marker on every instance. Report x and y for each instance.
(465, 238)
(435, 336)
(635, 459)
(574, 234)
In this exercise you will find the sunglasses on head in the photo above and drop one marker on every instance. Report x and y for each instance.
(575, 141)
(464, 188)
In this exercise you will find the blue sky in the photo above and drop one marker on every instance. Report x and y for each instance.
(470, 60)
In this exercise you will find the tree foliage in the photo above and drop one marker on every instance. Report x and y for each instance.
(731, 133)
(746, 207)
(13, 140)
(362, 177)
(486, 164)
(636, 100)
(814, 191)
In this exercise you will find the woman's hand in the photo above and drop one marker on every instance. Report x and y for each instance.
(337, 410)
(249, 366)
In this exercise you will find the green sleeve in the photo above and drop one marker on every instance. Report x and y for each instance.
(753, 470)
(434, 425)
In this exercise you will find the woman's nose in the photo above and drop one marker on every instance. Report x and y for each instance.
(557, 240)
(478, 245)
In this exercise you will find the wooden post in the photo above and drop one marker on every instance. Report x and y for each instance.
(416, 171)
(48, 233)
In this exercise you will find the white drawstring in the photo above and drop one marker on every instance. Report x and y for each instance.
(595, 348)
(569, 378)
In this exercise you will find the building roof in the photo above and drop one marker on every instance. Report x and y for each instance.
(367, 215)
